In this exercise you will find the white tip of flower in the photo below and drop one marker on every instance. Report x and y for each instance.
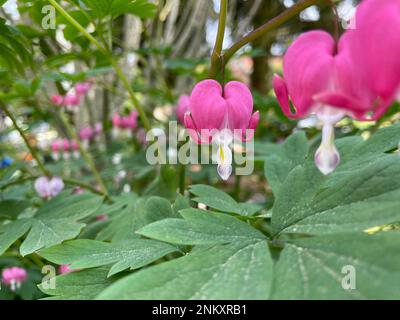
(327, 159)
(224, 171)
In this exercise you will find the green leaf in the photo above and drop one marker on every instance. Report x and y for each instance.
(133, 254)
(11, 208)
(314, 268)
(11, 232)
(79, 285)
(201, 227)
(134, 215)
(357, 196)
(219, 200)
(140, 8)
(100, 8)
(58, 220)
(234, 271)
(290, 154)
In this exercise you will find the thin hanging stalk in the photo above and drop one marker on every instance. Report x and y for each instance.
(26, 140)
(258, 33)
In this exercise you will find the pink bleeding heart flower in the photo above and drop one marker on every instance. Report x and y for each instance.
(57, 100)
(74, 145)
(65, 269)
(322, 78)
(75, 148)
(220, 115)
(213, 109)
(130, 122)
(375, 47)
(98, 129)
(56, 147)
(116, 121)
(48, 187)
(86, 133)
(14, 277)
(82, 88)
(182, 108)
(66, 145)
(72, 100)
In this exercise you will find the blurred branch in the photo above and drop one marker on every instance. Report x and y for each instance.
(68, 181)
(261, 31)
(25, 138)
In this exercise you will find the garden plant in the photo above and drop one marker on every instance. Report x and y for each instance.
(199, 149)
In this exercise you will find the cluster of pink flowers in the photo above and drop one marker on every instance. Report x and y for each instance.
(14, 277)
(357, 77)
(125, 124)
(72, 100)
(65, 148)
(48, 187)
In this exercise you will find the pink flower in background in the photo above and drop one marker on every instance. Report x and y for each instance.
(133, 118)
(57, 100)
(220, 115)
(86, 133)
(72, 100)
(14, 277)
(182, 108)
(116, 120)
(141, 136)
(66, 145)
(129, 122)
(83, 88)
(48, 187)
(98, 129)
(65, 268)
(75, 149)
(102, 217)
(56, 147)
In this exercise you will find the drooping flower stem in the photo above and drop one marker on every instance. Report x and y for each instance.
(86, 156)
(26, 140)
(261, 31)
(114, 63)
(216, 58)
(182, 178)
(68, 181)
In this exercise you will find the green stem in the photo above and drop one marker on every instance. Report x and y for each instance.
(68, 181)
(261, 31)
(86, 156)
(26, 140)
(108, 54)
(217, 52)
(182, 178)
